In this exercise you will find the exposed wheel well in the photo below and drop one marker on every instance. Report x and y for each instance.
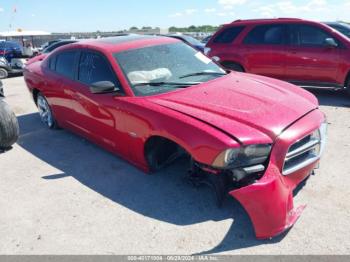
(160, 152)
(233, 66)
(35, 94)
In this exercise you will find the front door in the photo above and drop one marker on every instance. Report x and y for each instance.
(310, 60)
(98, 115)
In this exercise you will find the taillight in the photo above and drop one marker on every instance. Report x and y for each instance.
(2, 52)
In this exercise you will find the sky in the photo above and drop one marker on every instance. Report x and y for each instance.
(114, 15)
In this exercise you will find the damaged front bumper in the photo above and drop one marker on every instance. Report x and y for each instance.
(269, 201)
(269, 204)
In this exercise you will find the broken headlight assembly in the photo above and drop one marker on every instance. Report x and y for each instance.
(243, 161)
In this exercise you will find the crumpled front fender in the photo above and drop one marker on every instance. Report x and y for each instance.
(269, 203)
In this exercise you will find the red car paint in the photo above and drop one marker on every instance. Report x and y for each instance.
(37, 58)
(308, 65)
(228, 112)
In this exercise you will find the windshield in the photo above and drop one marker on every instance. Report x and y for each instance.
(191, 40)
(342, 28)
(164, 68)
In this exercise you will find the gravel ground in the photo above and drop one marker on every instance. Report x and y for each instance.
(60, 194)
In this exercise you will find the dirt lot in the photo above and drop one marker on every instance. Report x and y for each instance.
(60, 194)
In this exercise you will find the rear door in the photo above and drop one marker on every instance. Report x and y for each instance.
(265, 50)
(310, 61)
(61, 70)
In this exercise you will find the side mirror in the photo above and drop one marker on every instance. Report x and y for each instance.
(103, 87)
(330, 42)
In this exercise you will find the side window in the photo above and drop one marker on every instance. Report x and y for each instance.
(266, 35)
(310, 36)
(94, 68)
(228, 35)
(65, 63)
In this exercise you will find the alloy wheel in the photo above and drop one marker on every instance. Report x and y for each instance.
(45, 112)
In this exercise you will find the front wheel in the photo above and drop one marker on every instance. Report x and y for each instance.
(45, 112)
(9, 129)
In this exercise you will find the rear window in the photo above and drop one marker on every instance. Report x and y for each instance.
(266, 35)
(54, 46)
(52, 63)
(65, 63)
(228, 35)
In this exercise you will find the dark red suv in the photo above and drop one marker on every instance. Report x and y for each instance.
(306, 53)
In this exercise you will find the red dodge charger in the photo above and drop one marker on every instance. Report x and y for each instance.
(152, 100)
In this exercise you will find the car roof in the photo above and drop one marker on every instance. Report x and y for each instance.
(124, 42)
(266, 20)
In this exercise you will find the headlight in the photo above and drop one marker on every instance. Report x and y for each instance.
(242, 157)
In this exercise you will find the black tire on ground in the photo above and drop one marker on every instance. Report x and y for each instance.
(152, 159)
(233, 66)
(347, 85)
(3, 73)
(9, 129)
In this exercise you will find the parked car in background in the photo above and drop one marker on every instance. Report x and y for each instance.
(153, 100)
(189, 40)
(9, 129)
(10, 50)
(7, 69)
(309, 54)
(47, 44)
(206, 39)
(343, 28)
(49, 49)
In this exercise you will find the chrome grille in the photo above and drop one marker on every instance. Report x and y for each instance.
(305, 151)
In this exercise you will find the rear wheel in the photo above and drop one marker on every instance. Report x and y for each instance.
(3, 73)
(45, 112)
(9, 129)
(233, 66)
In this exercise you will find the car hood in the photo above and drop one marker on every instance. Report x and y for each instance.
(247, 107)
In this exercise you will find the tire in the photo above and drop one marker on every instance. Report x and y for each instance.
(3, 73)
(347, 85)
(233, 67)
(9, 129)
(153, 161)
(45, 112)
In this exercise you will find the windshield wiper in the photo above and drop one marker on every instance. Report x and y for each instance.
(203, 73)
(178, 84)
